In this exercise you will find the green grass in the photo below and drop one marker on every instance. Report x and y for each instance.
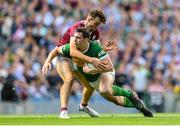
(82, 119)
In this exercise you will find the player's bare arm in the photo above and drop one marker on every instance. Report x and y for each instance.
(74, 52)
(107, 63)
(47, 65)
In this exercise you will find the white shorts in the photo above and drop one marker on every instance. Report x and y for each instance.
(63, 57)
(73, 65)
(95, 84)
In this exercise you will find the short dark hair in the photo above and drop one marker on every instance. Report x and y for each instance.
(84, 31)
(98, 13)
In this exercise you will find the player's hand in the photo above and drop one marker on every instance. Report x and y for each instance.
(95, 62)
(110, 45)
(98, 64)
(46, 67)
(102, 66)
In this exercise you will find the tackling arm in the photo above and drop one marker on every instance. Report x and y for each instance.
(74, 52)
(107, 63)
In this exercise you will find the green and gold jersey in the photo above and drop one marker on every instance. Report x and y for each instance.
(94, 50)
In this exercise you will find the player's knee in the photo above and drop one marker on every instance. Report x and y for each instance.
(68, 79)
(104, 91)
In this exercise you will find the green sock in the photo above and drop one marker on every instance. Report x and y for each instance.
(117, 91)
(128, 103)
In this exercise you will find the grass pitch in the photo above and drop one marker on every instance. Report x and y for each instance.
(82, 119)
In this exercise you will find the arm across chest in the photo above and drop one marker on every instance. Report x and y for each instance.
(78, 62)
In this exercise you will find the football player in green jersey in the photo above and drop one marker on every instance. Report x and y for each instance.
(101, 80)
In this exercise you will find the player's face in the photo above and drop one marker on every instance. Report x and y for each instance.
(78, 39)
(92, 23)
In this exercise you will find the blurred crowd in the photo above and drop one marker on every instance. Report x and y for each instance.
(147, 59)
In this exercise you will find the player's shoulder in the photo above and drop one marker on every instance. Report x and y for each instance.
(72, 29)
(66, 47)
(95, 44)
(78, 24)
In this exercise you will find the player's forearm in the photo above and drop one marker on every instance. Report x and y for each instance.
(96, 71)
(74, 52)
(77, 54)
(108, 67)
(104, 48)
(51, 55)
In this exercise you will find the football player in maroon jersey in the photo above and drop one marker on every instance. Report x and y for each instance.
(94, 19)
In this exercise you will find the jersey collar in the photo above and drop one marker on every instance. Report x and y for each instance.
(86, 49)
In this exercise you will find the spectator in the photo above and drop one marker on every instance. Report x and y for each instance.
(156, 91)
(39, 89)
(140, 78)
(8, 92)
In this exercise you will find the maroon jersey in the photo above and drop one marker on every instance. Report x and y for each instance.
(66, 37)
